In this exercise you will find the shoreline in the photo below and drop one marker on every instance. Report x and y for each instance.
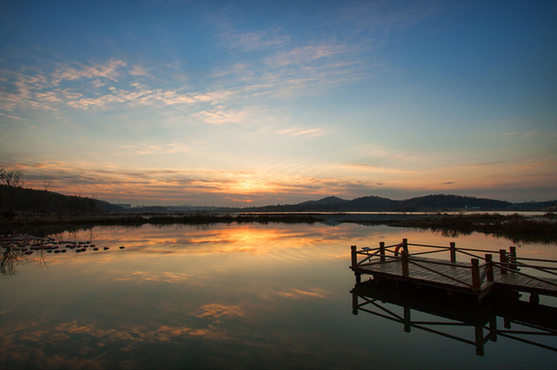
(518, 228)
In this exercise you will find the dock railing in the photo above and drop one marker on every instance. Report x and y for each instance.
(483, 268)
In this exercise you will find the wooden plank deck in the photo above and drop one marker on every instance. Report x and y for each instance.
(458, 276)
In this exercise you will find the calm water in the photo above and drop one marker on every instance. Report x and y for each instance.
(228, 296)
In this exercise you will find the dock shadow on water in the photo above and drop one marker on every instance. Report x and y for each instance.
(269, 296)
(433, 311)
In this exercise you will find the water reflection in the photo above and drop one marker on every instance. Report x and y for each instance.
(220, 296)
(439, 313)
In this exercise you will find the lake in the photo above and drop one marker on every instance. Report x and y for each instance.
(246, 296)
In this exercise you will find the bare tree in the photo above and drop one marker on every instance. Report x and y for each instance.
(11, 178)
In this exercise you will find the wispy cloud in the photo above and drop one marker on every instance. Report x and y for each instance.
(279, 74)
(301, 132)
(170, 148)
(44, 91)
(10, 116)
(304, 55)
(233, 187)
(109, 70)
(138, 95)
(138, 70)
(221, 117)
(97, 84)
(249, 41)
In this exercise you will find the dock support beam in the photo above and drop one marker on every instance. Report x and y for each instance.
(452, 249)
(382, 251)
(354, 256)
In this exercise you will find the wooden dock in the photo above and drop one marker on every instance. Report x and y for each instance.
(478, 274)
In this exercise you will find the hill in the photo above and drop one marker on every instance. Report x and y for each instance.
(15, 199)
(436, 202)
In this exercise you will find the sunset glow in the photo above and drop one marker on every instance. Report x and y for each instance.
(247, 104)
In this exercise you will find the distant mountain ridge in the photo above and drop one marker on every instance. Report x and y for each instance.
(40, 201)
(435, 202)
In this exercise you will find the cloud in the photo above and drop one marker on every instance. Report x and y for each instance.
(301, 132)
(138, 70)
(19, 88)
(48, 92)
(141, 96)
(97, 84)
(241, 70)
(145, 149)
(304, 55)
(249, 41)
(279, 75)
(221, 117)
(370, 168)
(49, 96)
(284, 183)
(11, 116)
(108, 70)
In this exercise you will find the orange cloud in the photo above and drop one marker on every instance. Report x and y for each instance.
(260, 187)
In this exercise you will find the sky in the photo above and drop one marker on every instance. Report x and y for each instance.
(238, 103)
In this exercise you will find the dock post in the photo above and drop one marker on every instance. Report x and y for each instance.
(354, 302)
(489, 267)
(452, 249)
(382, 251)
(503, 260)
(479, 340)
(407, 319)
(512, 258)
(404, 262)
(354, 256)
(405, 245)
(475, 274)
